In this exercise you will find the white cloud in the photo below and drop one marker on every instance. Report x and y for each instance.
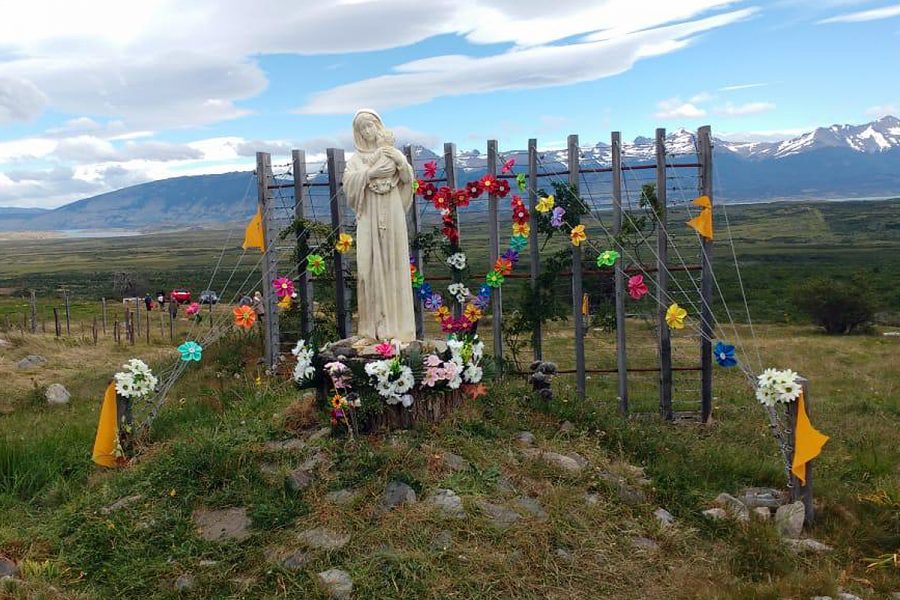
(742, 86)
(674, 108)
(874, 14)
(741, 110)
(20, 100)
(883, 110)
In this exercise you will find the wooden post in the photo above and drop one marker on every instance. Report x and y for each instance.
(450, 174)
(162, 331)
(621, 355)
(533, 241)
(704, 135)
(264, 178)
(33, 312)
(148, 325)
(115, 329)
(305, 284)
(494, 245)
(415, 251)
(172, 309)
(94, 331)
(136, 319)
(103, 311)
(56, 320)
(798, 491)
(335, 158)
(68, 314)
(662, 280)
(577, 288)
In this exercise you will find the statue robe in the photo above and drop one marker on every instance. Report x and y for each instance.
(384, 290)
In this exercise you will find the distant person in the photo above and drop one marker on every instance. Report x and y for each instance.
(148, 302)
(245, 301)
(161, 299)
(258, 306)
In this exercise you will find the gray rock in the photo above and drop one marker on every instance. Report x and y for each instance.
(57, 394)
(319, 458)
(448, 502)
(120, 504)
(762, 513)
(789, 519)
(808, 545)
(664, 518)
(525, 438)
(848, 596)
(288, 444)
(716, 514)
(591, 498)
(455, 462)
(643, 543)
(566, 427)
(567, 463)
(298, 480)
(8, 568)
(821, 598)
(754, 497)
(336, 583)
(321, 538)
(295, 560)
(734, 507)
(222, 525)
(505, 484)
(319, 434)
(532, 507)
(627, 493)
(398, 493)
(442, 542)
(208, 563)
(341, 497)
(185, 583)
(500, 517)
(31, 361)
(563, 554)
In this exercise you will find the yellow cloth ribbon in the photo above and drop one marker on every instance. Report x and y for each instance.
(808, 442)
(703, 223)
(107, 439)
(253, 236)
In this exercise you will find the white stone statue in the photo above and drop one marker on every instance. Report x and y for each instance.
(378, 186)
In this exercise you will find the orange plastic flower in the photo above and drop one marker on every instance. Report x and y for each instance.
(441, 313)
(578, 235)
(472, 312)
(503, 266)
(244, 316)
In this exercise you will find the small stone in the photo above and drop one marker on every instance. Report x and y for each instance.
(120, 504)
(455, 462)
(716, 514)
(525, 438)
(664, 518)
(754, 497)
(296, 560)
(567, 463)
(442, 542)
(734, 507)
(321, 538)
(57, 394)
(341, 497)
(8, 568)
(319, 458)
(820, 598)
(500, 516)
(591, 498)
(337, 583)
(31, 361)
(532, 507)
(566, 427)
(563, 554)
(448, 502)
(808, 545)
(642, 543)
(222, 525)
(789, 519)
(185, 583)
(627, 493)
(289, 444)
(398, 493)
(762, 513)
(848, 596)
(297, 480)
(208, 563)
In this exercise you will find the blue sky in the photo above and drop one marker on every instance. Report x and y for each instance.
(108, 94)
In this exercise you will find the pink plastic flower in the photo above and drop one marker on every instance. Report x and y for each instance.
(385, 349)
(637, 289)
(192, 309)
(283, 287)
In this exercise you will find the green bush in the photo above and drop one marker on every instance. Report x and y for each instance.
(839, 306)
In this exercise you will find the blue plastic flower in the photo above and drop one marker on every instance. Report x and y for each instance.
(434, 302)
(724, 355)
(485, 290)
(518, 243)
(190, 351)
(424, 291)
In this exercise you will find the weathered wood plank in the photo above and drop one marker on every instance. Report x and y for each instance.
(800, 492)
(494, 243)
(415, 251)
(335, 159)
(304, 281)
(577, 288)
(621, 354)
(706, 280)
(662, 280)
(534, 254)
(264, 198)
(450, 174)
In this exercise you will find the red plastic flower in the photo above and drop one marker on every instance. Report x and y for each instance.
(452, 234)
(427, 190)
(489, 184)
(461, 198)
(474, 188)
(508, 165)
(501, 188)
(430, 169)
(447, 325)
(441, 199)
(520, 214)
(516, 202)
(503, 266)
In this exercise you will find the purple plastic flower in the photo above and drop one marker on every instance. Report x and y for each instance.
(481, 302)
(434, 301)
(511, 255)
(556, 218)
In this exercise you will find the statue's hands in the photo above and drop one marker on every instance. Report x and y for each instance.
(382, 169)
(395, 155)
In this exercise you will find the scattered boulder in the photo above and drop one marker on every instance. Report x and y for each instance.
(31, 361)
(664, 518)
(808, 545)
(442, 542)
(627, 493)
(716, 514)
(120, 504)
(295, 560)
(298, 480)
(319, 458)
(734, 507)
(448, 502)
(643, 543)
(848, 596)
(185, 583)
(567, 463)
(754, 497)
(336, 583)
(532, 507)
(762, 513)
(525, 438)
(789, 519)
(57, 394)
(8, 568)
(454, 462)
(500, 517)
(341, 497)
(541, 377)
(321, 538)
(398, 493)
(222, 525)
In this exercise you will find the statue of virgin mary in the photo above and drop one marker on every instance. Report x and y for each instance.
(378, 186)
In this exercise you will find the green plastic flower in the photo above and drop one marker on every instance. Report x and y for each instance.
(518, 243)
(494, 279)
(190, 350)
(418, 279)
(315, 264)
(520, 181)
(607, 258)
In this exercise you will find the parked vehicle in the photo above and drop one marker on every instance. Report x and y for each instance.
(208, 297)
(180, 295)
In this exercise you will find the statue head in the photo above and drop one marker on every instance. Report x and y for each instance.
(369, 132)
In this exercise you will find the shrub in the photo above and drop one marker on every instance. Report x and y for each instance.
(839, 306)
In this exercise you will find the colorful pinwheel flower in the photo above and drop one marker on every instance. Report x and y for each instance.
(577, 235)
(416, 184)
(424, 291)
(518, 243)
(417, 279)
(675, 316)
(385, 349)
(315, 264)
(501, 188)
(494, 279)
(460, 198)
(344, 242)
(556, 219)
(474, 189)
(434, 301)
(522, 229)
(508, 165)
(521, 182)
(521, 214)
(441, 313)
(724, 354)
(503, 266)
(244, 316)
(430, 169)
(637, 289)
(511, 255)
(482, 302)
(284, 287)
(192, 309)
(489, 184)
(284, 303)
(190, 351)
(441, 199)
(607, 258)
(427, 191)
(545, 204)
(472, 312)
